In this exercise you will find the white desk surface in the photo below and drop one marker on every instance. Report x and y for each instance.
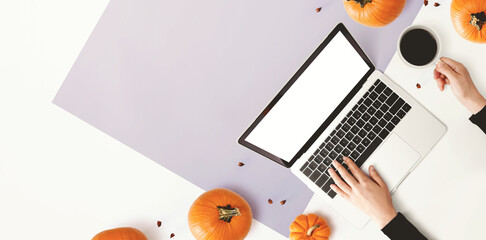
(52, 188)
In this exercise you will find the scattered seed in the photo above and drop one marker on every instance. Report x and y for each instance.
(172, 235)
(283, 202)
(240, 164)
(426, 2)
(159, 223)
(418, 86)
(436, 4)
(270, 201)
(318, 9)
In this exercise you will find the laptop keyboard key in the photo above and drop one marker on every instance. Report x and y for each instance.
(333, 155)
(371, 110)
(377, 129)
(349, 136)
(354, 155)
(373, 120)
(360, 123)
(346, 152)
(366, 142)
(304, 166)
(320, 182)
(371, 136)
(382, 97)
(357, 139)
(392, 99)
(379, 114)
(344, 142)
(327, 186)
(345, 128)
(338, 149)
(398, 104)
(388, 116)
(380, 87)
(362, 108)
(395, 120)
(382, 123)
(384, 133)
(335, 140)
(322, 167)
(318, 159)
(324, 152)
(367, 102)
(329, 146)
(331, 193)
(314, 176)
(387, 91)
(360, 148)
(390, 126)
(327, 161)
(366, 117)
(351, 146)
(362, 133)
(355, 129)
(384, 108)
(407, 107)
(401, 114)
(351, 121)
(307, 172)
(313, 165)
(368, 127)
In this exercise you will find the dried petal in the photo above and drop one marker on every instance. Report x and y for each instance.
(436, 4)
(240, 164)
(418, 86)
(318, 9)
(270, 201)
(159, 223)
(172, 235)
(283, 202)
(426, 2)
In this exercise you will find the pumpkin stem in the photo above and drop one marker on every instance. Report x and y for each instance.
(362, 3)
(226, 213)
(478, 20)
(309, 232)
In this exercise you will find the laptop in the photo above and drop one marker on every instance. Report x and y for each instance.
(337, 104)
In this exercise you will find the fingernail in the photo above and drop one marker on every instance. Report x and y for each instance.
(333, 187)
(345, 158)
(372, 168)
(440, 63)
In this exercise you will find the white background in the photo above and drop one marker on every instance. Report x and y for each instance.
(62, 179)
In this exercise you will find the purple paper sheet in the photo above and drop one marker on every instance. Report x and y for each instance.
(180, 81)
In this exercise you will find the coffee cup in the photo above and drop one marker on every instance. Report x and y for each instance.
(419, 46)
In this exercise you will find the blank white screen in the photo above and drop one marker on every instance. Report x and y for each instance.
(310, 100)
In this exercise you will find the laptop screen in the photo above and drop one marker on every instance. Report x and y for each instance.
(310, 100)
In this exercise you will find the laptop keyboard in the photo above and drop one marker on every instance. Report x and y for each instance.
(358, 135)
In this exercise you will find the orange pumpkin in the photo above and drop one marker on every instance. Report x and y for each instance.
(374, 13)
(309, 227)
(124, 233)
(220, 214)
(469, 19)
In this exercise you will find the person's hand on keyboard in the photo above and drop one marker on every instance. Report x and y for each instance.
(450, 72)
(370, 195)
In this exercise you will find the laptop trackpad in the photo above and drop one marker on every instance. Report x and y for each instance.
(392, 160)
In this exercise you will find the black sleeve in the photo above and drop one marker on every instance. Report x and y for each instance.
(480, 119)
(400, 228)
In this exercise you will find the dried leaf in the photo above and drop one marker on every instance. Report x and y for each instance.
(283, 202)
(240, 164)
(418, 86)
(426, 2)
(436, 4)
(270, 201)
(172, 235)
(318, 9)
(159, 223)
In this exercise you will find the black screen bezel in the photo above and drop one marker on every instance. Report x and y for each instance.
(339, 28)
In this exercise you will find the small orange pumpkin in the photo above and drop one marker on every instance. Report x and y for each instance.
(374, 13)
(220, 214)
(309, 227)
(125, 233)
(469, 19)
